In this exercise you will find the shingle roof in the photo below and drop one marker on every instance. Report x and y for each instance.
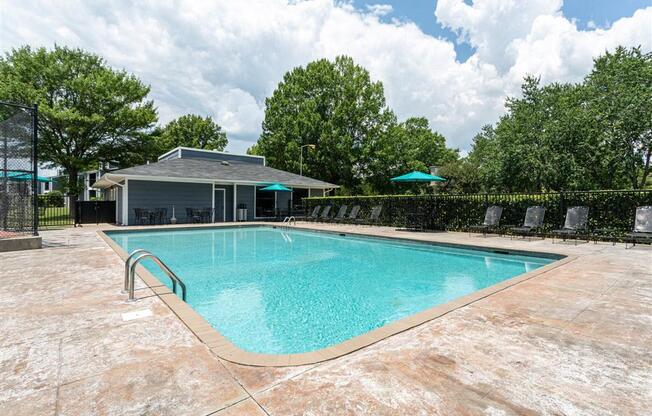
(196, 168)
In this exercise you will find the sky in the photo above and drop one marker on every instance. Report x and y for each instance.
(451, 61)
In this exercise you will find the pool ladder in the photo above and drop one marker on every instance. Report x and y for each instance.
(130, 273)
(287, 221)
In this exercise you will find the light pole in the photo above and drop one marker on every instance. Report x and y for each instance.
(312, 146)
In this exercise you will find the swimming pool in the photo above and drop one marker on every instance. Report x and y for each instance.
(279, 291)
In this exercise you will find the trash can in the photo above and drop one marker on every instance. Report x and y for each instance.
(242, 212)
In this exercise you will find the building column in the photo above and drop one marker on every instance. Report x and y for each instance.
(235, 202)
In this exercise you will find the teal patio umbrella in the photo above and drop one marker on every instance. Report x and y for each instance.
(277, 187)
(23, 176)
(417, 176)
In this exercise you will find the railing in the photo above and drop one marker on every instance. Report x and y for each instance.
(130, 273)
(613, 210)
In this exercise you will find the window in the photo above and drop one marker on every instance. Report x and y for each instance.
(265, 203)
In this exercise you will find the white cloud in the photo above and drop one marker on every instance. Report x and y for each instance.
(380, 9)
(223, 58)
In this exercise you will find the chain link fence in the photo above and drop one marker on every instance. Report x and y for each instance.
(18, 170)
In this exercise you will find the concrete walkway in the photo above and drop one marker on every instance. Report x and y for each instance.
(574, 341)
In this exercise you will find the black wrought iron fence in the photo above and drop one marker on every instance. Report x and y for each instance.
(54, 211)
(613, 209)
(18, 170)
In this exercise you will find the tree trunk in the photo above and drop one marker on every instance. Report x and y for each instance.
(73, 192)
(646, 168)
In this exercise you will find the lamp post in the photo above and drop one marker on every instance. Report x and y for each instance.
(312, 146)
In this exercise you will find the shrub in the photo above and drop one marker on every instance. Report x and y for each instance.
(51, 199)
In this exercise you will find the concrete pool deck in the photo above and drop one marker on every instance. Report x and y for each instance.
(573, 340)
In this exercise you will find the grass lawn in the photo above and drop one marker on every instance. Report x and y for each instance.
(54, 217)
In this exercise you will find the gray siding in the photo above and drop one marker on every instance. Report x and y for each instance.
(154, 194)
(173, 155)
(246, 195)
(316, 192)
(190, 154)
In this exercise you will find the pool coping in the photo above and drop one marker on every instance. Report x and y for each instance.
(225, 349)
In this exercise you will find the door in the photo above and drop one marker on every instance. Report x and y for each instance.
(218, 206)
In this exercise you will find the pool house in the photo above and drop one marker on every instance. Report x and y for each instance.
(190, 185)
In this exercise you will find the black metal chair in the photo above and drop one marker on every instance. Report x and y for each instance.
(142, 216)
(575, 224)
(193, 215)
(642, 226)
(160, 215)
(206, 215)
(491, 220)
(533, 221)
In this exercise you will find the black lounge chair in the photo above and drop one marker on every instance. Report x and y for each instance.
(341, 213)
(353, 214)
(315, 214)
(325, 214)
(642, 226)
(491, 220)
(374, 216)
(533, 221)
(575, 223)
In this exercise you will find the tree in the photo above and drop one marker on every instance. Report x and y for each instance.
(592, 135)
(404, 147)
(620, 96)
(332, 105)
(193, 131)
(88, 111)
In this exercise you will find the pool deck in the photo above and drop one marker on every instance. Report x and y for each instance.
(574, 340)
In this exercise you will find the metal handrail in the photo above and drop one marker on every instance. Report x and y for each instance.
(290, 220)
(132, 275)
(127, 264)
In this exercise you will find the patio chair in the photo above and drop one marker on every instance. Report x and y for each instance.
(491, 220)
(160, 215)
(353, 214)
(341, 213)
(642, 226)
(374, 216)
(192, 215)
(206, 215)
(575, 223)
(315, 214)
(325, 214)
(533, 221)
(142, 216)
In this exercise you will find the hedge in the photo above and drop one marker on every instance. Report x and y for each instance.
(457, 212)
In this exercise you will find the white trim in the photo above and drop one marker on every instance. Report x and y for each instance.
(223, 203)
(213, 203)
(180, 148)
(235, 200)
(216, 180)
(125, 203)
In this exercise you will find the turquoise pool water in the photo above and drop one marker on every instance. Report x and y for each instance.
(281, 292)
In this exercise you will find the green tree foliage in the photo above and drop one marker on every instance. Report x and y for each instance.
(619, 90)
(195, 131)
(358, 142)
(404, 147)
(592, 135)
(88, 112)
